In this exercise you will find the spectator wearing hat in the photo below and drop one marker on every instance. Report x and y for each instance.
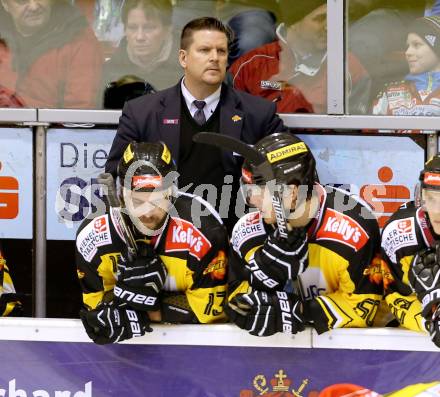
(419, 93)
(292, 71)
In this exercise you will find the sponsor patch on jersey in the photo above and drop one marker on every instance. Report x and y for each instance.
(287, 151)
(246, 228)
(184, 236)
(339, 227)
(94, 235)
(270, 85)
(217, 267)
(398, 234)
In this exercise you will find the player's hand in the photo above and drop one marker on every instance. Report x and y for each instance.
(264, 314)
(433, 326)
(109, 323)
(140, 281)
(424, 277)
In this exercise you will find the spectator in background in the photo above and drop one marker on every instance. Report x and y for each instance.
(419, 93)
(55, 58)
(377, 34)
(9, 303)
(292, 71)
(148, 50)
(7, 98)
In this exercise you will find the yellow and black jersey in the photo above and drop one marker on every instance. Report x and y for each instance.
(9, 302)
(340, 283)
(405, 233)
(193, 251)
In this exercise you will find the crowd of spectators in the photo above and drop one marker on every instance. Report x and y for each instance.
(77, 54)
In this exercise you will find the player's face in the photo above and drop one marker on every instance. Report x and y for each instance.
(431, 204)
(420, 56)
(205, 59)
(151, 208)
(29, 16)
(145, 34)
(313, 29)
(261, 198)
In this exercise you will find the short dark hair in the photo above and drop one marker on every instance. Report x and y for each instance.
(161, 9)
(204, 23)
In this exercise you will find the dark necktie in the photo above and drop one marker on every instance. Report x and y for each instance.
(199, 115)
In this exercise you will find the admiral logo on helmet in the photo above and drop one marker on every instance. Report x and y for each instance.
(285, 152)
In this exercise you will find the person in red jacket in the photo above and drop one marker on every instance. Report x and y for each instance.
(55, 59)
(292, 71)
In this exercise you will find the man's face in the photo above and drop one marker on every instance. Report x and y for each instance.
(29, 16)
(145, 35)
(260, 198)
(205, 60)
(420, 56)
(431, 204)
(150, 208)
(313, 29)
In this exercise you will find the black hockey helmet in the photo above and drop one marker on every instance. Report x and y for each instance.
(147, 165)
(430, 175)
(291, 160)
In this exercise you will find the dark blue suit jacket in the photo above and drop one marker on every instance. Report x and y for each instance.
(156, 117)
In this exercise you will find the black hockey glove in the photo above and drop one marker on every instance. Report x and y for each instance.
(109, 323)
(424, 276)
(264, 314)
(433, 326)
(279, 260)
(140, 281)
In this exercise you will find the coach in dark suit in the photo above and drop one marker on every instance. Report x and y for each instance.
(199, 102)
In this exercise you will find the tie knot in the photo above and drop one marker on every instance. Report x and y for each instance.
(199, 104)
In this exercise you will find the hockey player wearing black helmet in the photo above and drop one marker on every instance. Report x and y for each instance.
(411, 254)
(177, 272)
(331, 241)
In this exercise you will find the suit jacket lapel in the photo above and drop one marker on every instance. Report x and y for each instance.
(169, 120)
(231, 117)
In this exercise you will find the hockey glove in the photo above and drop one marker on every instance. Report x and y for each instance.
(424, 276)
(433, 326)
(109, 323)
(264, 314)
(140, 281)
(279, 260)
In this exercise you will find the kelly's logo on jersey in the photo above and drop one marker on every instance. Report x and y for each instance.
(184, 236)
(339, 227)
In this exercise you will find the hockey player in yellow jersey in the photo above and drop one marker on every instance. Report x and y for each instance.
(9, 302)
(177, 274)
(330, 245)
(410, 250)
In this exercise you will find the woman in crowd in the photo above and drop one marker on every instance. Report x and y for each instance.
(148, 49)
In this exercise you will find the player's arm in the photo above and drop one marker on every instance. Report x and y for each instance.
(205, 295)
(355, 302)
(268, 261)
(10, 304)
